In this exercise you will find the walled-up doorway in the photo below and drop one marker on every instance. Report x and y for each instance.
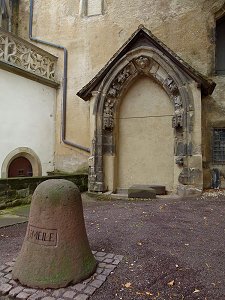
(145, 118)
(20, 167)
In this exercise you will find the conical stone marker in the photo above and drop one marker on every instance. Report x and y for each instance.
(55, 251)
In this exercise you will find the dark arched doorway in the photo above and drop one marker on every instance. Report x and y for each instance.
(20, 167)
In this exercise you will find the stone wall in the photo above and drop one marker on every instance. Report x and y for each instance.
(16, 191)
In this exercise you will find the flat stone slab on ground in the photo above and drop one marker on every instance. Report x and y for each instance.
(80, 291)
(159, 189)
(141, 191)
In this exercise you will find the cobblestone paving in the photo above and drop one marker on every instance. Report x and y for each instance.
(10, 289)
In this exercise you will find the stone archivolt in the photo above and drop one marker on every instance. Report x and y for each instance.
(26, 56)
(145, 55)
(141, 65)
(139, 62)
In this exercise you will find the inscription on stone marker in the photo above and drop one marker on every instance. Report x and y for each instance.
(94, 7)
(42, 236)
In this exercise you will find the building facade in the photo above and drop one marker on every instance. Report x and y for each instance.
(137, 95)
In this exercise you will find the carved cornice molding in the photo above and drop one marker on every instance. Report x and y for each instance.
(23, 58)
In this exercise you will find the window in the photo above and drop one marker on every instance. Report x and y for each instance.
(92, 7)
(218, 146)
(5, 14)
(220, 46)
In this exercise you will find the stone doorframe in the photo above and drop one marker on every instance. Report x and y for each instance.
(143, 61)
(24, 152)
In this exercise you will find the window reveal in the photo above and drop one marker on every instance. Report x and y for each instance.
(218, 146)
(92, 7)
(220, 46)
(5, 14)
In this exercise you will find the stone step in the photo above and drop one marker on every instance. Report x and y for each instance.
(141, 191)
(146, 191)
(159, 189)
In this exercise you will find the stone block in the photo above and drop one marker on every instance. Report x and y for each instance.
(159, 189)
(15, 291)
(5, 288)
(44, 260)
(81, 297)
(69, 294)
(22, 193)
(106, 272)
(97, 283)
(141, 191)
(101, 277)
(3, 267)
(78, 287)
(22, 296)
(38, 295)
(90, 290)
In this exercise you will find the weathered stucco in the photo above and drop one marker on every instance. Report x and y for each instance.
(144, 125)
(27, 123)
(186, 27)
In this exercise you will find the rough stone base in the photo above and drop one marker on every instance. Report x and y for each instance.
(188, 190)
(141, 191)
(10, 289)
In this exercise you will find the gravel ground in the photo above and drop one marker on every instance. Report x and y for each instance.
(173, 248)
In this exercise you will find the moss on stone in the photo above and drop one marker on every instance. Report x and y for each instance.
(9, 187)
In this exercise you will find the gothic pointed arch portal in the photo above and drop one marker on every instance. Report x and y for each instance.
(170, 81)
(138, 63)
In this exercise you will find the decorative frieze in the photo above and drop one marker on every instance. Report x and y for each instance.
(178, 119)
(26, 56)
(108, 114)
(142, 62)
(142, 65)
(113, 93)
(171, 85)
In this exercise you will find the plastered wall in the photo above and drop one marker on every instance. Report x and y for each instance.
(27, 118)
(145, 119)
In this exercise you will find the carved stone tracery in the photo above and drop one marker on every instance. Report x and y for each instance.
(142, 62)
(178, 119)
(169, 82)
(108, 118)
(24, 55)
(140, 65)
(113, 93)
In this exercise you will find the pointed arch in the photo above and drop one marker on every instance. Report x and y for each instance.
(150, 62)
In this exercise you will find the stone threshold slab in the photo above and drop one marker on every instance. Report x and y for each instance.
(10, 289)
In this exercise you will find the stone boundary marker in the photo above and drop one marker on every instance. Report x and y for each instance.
(10, 289)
